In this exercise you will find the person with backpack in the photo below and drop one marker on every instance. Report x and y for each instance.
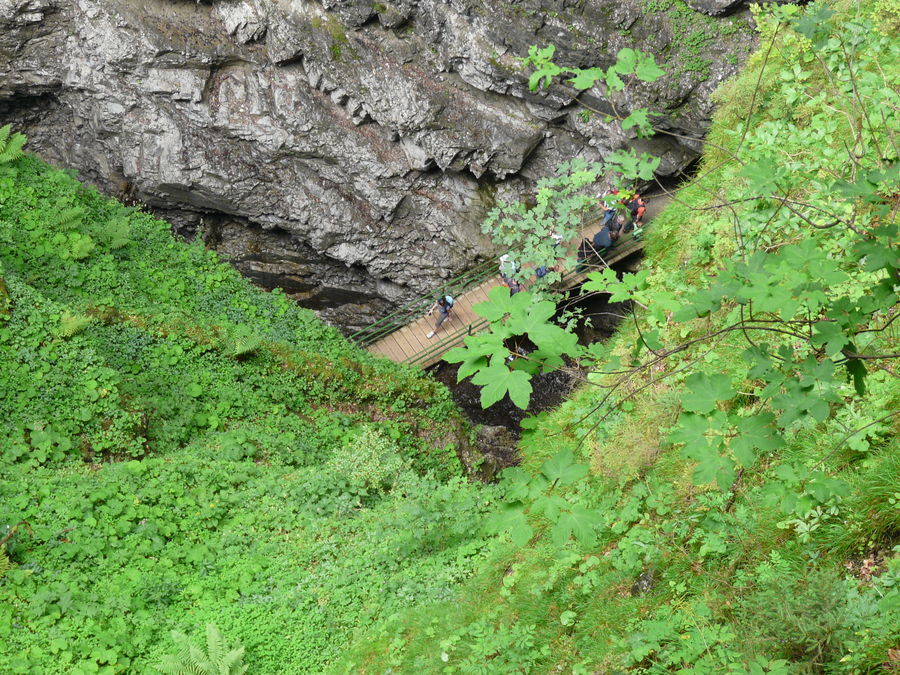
(508, 267)
(605, 239)
(443, 305)
(637, 206)
(608, 205)
(514, 286)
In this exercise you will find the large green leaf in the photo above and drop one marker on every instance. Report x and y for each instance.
(704, 391)
(563, 469)
(512, 520)
(626, 61)
(585, 79)
(830, 334)
(691, 430)
(580, 522)
(646, 68)
(470, 361)
(498, 380)
(500, 303)
(755, 435)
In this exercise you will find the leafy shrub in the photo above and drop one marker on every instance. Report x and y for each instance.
(368, 460)
(168, 474)
(801, 615)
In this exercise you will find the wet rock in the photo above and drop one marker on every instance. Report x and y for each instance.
(645, 583)
(360, 143)
(497, 445)
(714, 7)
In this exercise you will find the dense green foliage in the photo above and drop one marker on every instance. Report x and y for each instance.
(181, 450)
(743, 512)
(187, 449)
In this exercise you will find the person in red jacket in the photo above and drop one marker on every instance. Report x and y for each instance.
(638, 207)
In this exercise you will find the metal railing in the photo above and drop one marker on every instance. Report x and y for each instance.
(627, 245)
(469, 279)
(416, 308)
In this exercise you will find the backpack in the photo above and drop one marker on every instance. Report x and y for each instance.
(602, 239)
(635, 204)
(449, 301)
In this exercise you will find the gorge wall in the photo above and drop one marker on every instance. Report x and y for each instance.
(345, 150)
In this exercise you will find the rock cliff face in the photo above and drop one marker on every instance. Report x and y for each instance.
(345, 150)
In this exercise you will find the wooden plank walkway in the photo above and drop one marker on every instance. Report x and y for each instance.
(409, 344)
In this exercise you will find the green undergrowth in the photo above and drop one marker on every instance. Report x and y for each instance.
(695, 37)
(179, 448)
(791, 565)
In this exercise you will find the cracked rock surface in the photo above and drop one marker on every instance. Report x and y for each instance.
(345, 150)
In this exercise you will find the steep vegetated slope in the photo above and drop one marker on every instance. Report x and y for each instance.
(741, 513)
(179, 448)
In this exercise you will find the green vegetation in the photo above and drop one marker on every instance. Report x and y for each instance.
(338, 40)
(179, 448)
(693, 35)
(741, 512)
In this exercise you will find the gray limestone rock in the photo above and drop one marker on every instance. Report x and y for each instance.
(343, 149)
(498, 450)
(722, 7)
(714, 7)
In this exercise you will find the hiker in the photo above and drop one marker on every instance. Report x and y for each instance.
(609, 212)
(638, 207)
(514, 286)
(443, 305)
(508, 267)
(619, 226)
(605, 239)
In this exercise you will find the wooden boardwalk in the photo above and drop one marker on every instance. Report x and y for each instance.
(409, 344)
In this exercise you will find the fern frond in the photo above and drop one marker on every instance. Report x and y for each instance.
(233, 662)
(176, 665)
(192, 660)
(215, 644)
(115, 233)
(10, 146)
(5, 564)
(69, 218)
(72, 324)
(241, 342)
